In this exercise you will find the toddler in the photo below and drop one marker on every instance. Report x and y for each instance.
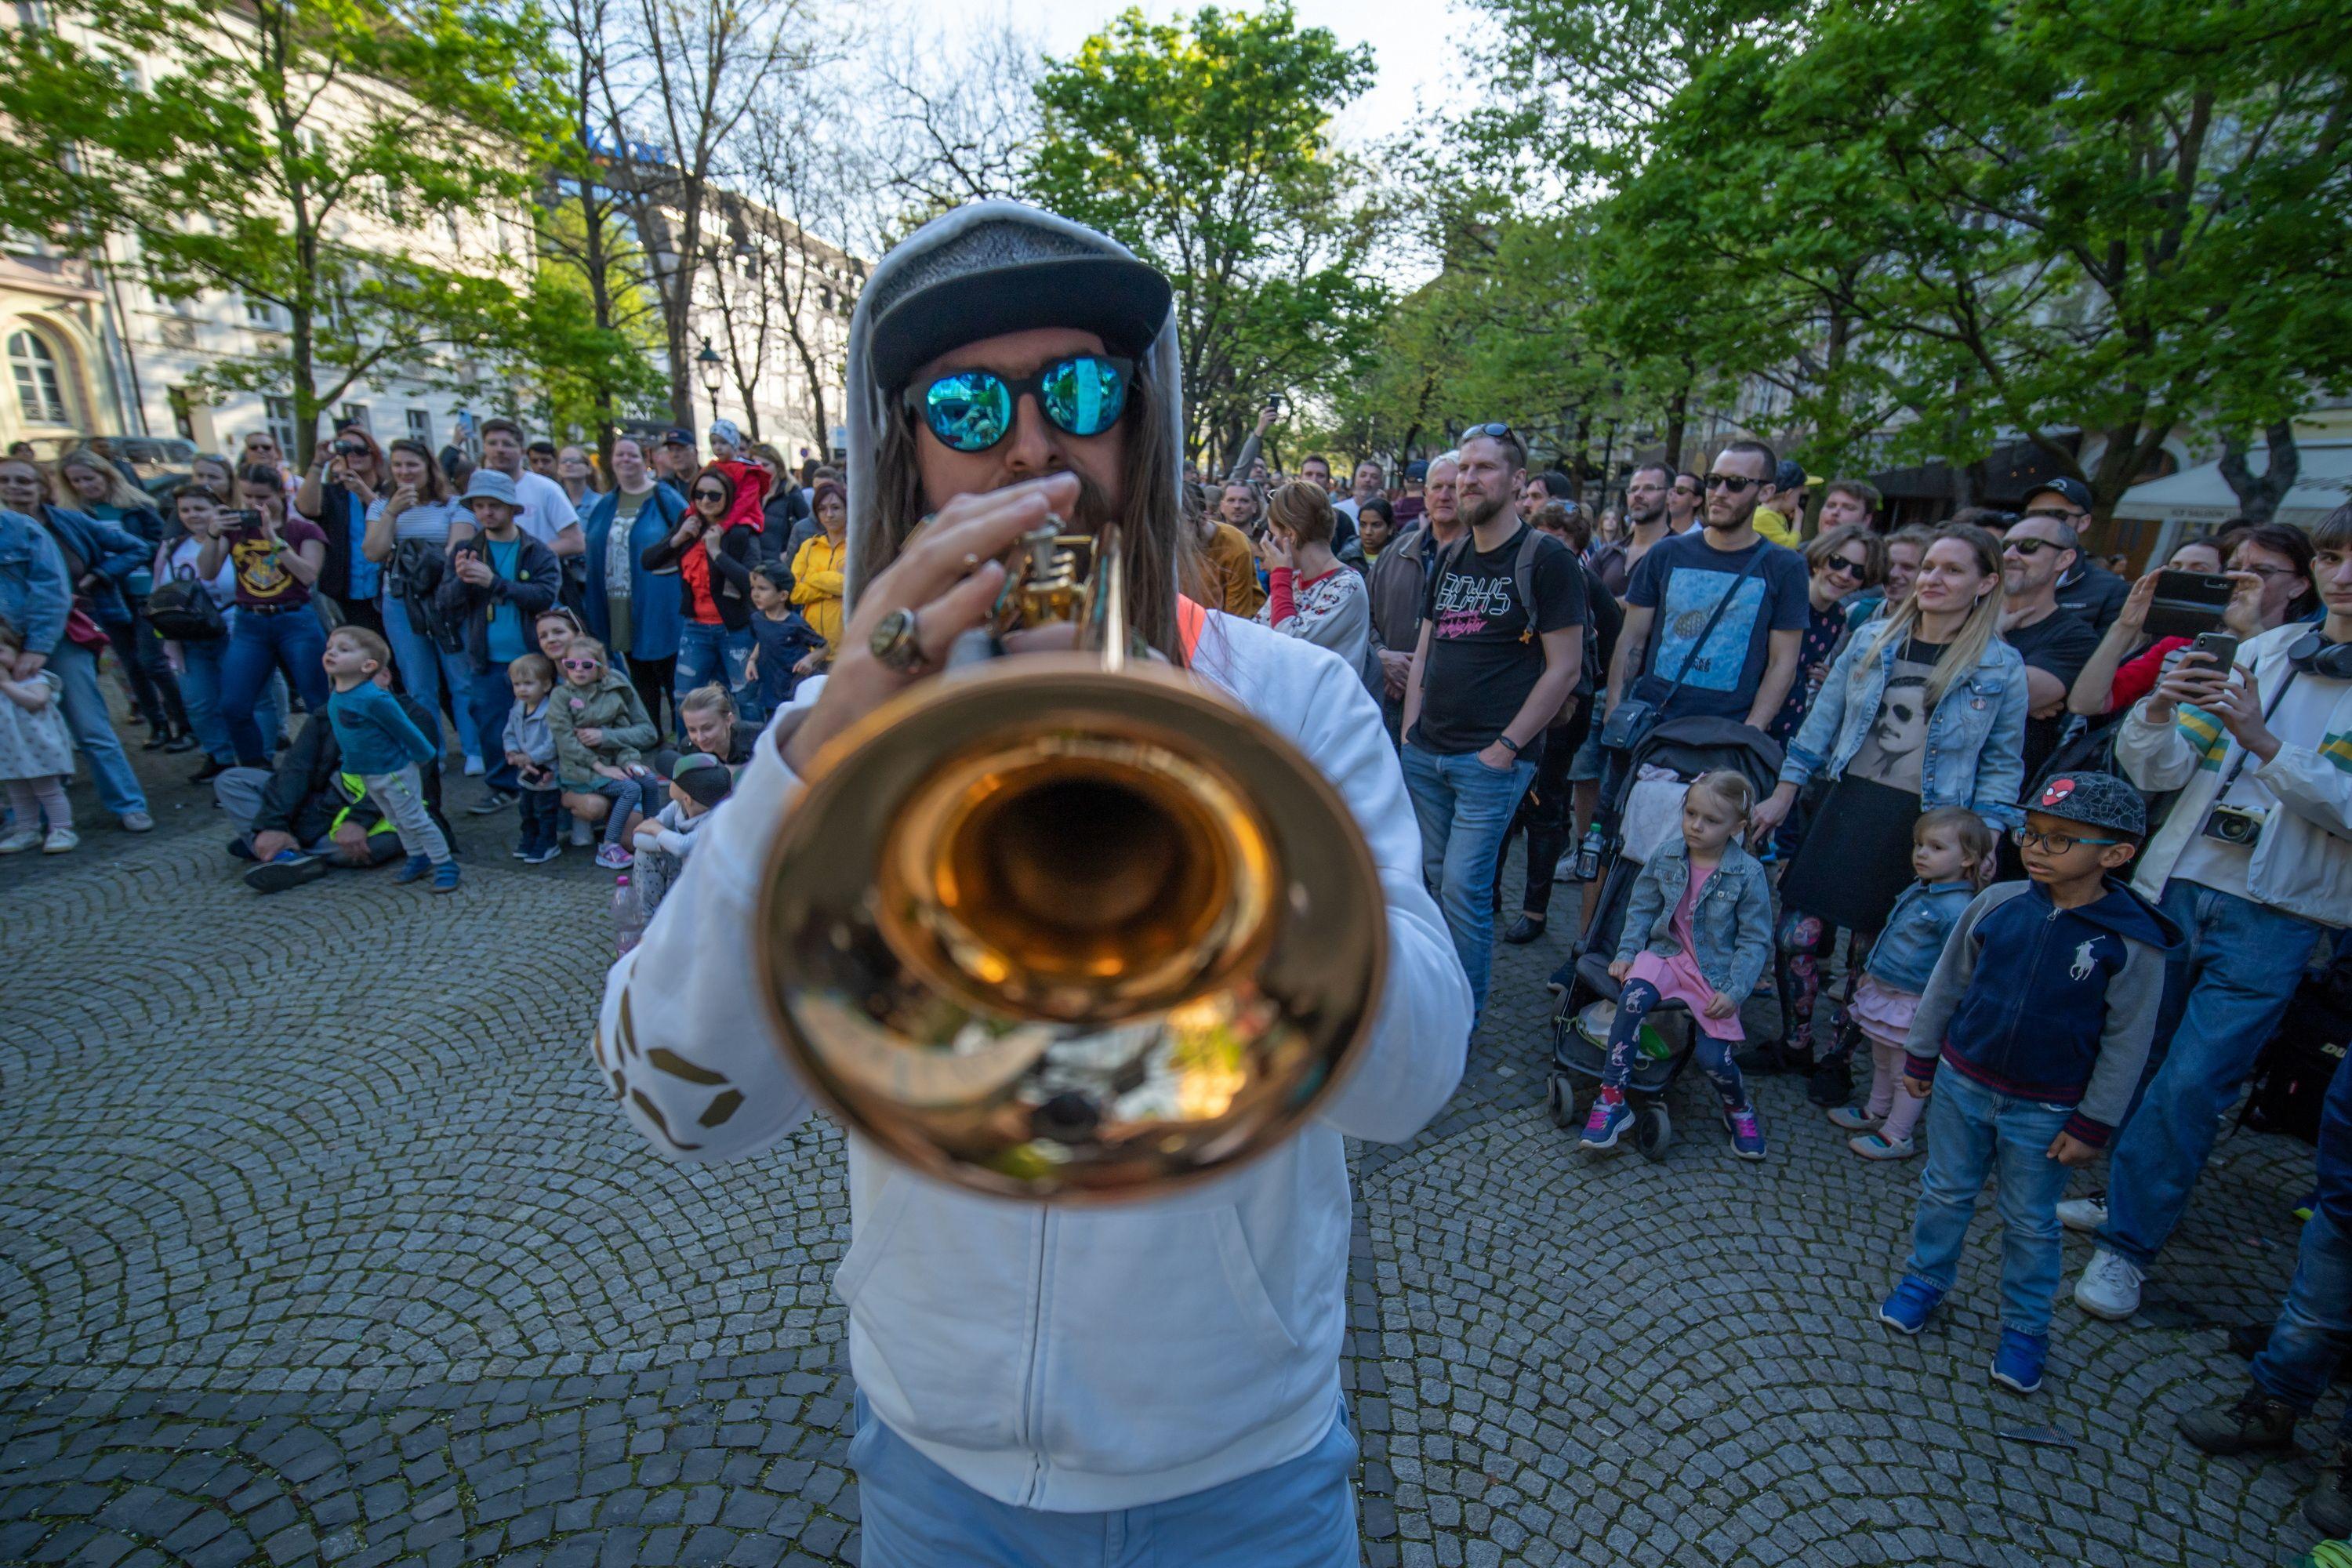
(601, 731)
(35, 753)
(1952, 850)
(785, 641)
(383, 746)
(530, 747)
(1699, 930)
(2038, 1017)
(698, 782)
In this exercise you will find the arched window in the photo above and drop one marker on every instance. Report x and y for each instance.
(40, 392)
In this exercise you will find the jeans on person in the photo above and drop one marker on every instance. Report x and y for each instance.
(2244, 963)
(542, 818)
(1973, 1131)
(288, 640)
(914, 1514)
(426, 668)
(200, 685)
(2314, 1326)
(400, 796)
(708, 653)
(1465, 806)
(93, 732)
(627, 796)
(492, 697)
(153, 690)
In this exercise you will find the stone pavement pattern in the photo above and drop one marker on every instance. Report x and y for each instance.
(320, 1242)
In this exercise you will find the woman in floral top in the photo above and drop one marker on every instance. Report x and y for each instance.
(1310, 595)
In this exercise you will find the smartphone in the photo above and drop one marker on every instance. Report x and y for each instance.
(2187, 603)
(1272, 402)
(2220, 646)
(245, 519)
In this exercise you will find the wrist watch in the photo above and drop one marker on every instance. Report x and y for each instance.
(1507, 740)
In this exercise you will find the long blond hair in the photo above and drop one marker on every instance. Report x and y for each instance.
(1966, 650)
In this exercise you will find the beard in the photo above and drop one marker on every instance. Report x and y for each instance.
(1641, 519)
(1480, 513)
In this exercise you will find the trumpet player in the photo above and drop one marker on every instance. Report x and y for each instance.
(1155, 1381)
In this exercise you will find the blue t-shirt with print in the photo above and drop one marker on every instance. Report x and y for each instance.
(1682, 579)
(509, 641)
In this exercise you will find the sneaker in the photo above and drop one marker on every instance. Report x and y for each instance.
(290, 870)
(2255, 1420)
(1879, 1146)
(418, 867)
(525, 851)
(543, 854)
(474, 768)
(2085, 1213)
(1611, 1120)
(493, 801)
(214, 768)
(24, 839)
(2328, 1508)
(1852, 1119)
(183, 741)
(581, 836)
(59, 840)
(444, 876)
(612, 857)
(138, 822)
(1906, 1311)
(2109, 1286)
(1747, 1132)
(2019, 1361)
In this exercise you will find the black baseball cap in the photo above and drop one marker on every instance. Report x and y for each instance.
(678, 436)
(2077, 493)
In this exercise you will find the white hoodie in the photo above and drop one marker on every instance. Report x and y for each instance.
(1070, 1358)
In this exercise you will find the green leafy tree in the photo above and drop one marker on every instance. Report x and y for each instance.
(1203, 146)
(312, 155)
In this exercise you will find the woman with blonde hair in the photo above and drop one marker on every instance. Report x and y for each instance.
(88, 482)
(1311, 595)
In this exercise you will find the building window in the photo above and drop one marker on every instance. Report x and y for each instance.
(40, 391)
(355, 414)
(280, 412)
(184, 411)
(420, 425)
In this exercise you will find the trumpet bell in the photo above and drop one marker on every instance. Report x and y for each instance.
(1045, 930)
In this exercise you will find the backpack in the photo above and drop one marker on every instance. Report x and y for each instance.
(2292, 1075)
(1523, 576)
(182, 609)
(413, 576)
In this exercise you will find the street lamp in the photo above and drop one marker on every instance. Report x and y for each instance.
(709, 365)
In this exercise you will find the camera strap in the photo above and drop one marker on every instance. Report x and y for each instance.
(2238, 763)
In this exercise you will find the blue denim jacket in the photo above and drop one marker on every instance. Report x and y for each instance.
(1976, 738)
(1904, 955)
(1731, 929)
(34, 594)
(105, 549)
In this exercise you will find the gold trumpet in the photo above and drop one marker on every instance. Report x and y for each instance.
(1070, 925)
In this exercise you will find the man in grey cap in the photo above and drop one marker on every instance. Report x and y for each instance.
(1034, 1383)
(498, 582)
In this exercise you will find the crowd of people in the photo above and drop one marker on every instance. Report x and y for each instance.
(2080, 871)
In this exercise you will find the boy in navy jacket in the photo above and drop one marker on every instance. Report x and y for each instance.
(2033, 1030)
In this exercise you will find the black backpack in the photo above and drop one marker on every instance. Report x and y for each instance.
(181, 610)
(413, 576)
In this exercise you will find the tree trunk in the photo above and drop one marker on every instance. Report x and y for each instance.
(1677, 422)
(2258, 494)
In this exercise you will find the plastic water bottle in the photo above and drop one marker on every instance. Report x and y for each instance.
(628, 914)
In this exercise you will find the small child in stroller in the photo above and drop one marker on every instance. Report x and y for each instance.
(1699, 930)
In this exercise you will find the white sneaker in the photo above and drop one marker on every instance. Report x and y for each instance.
(1852, 1119)
(24, 839)
(2085, 1213)
(59, 840)
(2109, 1286)
(474, 768)
(1879, 1146)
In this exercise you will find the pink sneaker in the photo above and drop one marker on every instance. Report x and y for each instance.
(612, 857)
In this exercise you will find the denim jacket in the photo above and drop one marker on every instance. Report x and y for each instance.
(1904, 955)
(1731, 929)
(106, 550)
(1975, 752)
(34, 592)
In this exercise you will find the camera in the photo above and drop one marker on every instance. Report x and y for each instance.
(2235, 825)
(351, 449)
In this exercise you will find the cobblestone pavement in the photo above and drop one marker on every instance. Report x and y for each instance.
(318, 1242)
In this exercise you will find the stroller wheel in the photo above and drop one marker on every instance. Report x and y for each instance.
(1652, 1130)
(1560, 1101)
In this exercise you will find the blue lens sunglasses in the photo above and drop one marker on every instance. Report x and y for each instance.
(972, 410)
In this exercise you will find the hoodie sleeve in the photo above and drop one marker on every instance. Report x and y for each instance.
(2154, 757)
(1924, 1046)
(2134, 995)
(2310, 785)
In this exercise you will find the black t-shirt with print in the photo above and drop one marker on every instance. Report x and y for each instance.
(1484, 657)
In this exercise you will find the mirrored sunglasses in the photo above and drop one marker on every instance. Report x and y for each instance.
(972, 410)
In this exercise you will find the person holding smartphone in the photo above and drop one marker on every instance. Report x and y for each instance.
(345, 477)
(279, 559)
(2253, 862)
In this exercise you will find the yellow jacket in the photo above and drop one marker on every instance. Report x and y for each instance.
(817, 583)
(1776, 527)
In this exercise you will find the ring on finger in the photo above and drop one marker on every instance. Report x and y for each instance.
(896, 642)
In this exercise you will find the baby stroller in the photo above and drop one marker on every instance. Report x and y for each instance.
(1674, 753)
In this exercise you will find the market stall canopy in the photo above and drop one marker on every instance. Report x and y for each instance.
(2200, 495)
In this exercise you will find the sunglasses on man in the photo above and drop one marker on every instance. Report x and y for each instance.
(1732, 482)
(972, 410)
(2028, 548)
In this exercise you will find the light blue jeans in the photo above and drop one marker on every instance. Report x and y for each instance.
(708, 653)
(426, 670)
(1301, 1514)
(93, 730)
(1973, 1131)
(1465, 808)
(200, 687)
(2314, 1326)
(2244, 961)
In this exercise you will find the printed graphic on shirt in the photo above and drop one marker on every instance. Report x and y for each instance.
(260, 569)
(1471, 605)
(1895, 750)
(1691, 598)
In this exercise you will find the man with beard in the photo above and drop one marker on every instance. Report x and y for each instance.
(2054, 642)
(1034, 1382)
(1400, 582)
(1500, 648)
(1646, 523)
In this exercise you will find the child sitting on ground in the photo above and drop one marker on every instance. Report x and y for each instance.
(386, 749)
(1699, 930)
(2039, 1013)
(698, 782)
(785, 641)
(530, 747)
(35, 753)
(1951, 854)
(601, 731)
